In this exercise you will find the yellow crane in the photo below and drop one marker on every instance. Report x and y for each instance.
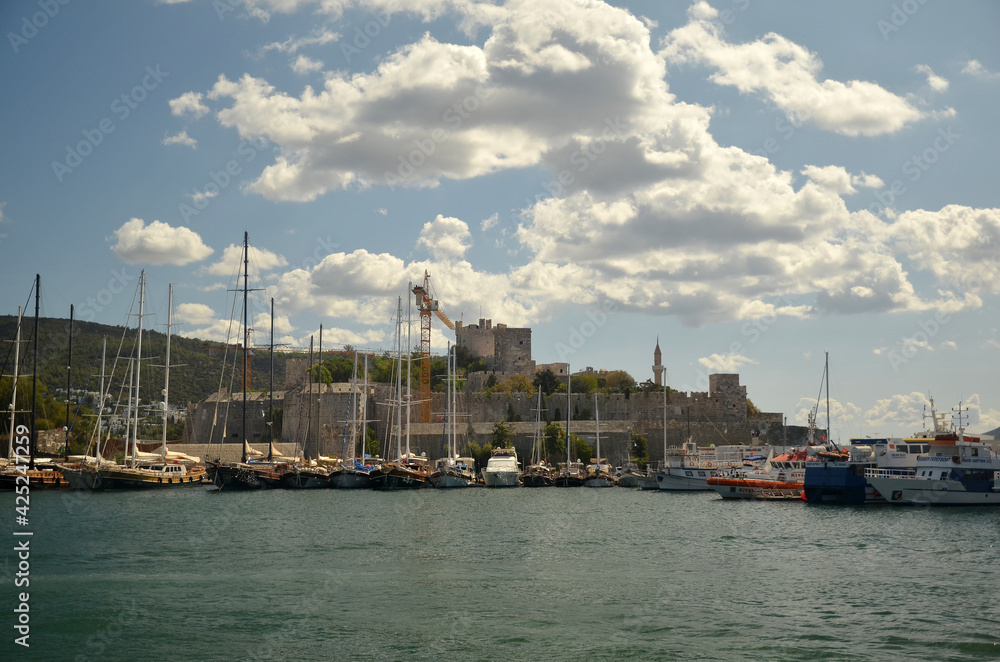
(426, 305)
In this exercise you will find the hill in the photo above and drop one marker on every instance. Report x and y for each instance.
(194, 369)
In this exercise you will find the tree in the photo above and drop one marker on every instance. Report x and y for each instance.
(752, 411)
(581, 449)
(512, 416)
(511, 385)
(491, 381)
(371, 442)
(554, 445)
(638, 450)
(501, 435)
(584, 384)
(620, 381)
(547, 381)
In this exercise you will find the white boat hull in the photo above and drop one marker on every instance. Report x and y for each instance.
(913, 491)
(676, 479)
(501, 478)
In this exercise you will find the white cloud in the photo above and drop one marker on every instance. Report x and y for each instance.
(261, 261)
(201, 197)
(489, 223)
(842, 415)
(189, 102)
(381, 211)
(319, 37)
(304, 65)
(198, 314)
(445, 237)
(158, 243)
(181, 138)
(652, 213)
(936, 83)
(975, 68)
(724, 362)
(787, 74)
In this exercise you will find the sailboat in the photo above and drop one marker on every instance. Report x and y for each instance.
(242, 475)
(405, 472)
(538, 473)
(27, 470)
(599, 471)
(141, 472)
(452, 471)
(572, 473)
(352, 474)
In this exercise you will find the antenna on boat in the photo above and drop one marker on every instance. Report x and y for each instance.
(958, 414)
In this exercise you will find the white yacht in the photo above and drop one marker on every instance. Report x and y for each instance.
(502, 469)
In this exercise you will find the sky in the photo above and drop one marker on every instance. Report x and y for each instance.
(757, 185)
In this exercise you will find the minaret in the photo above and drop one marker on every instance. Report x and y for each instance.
(658, 364)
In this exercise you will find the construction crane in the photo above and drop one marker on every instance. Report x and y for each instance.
(426, 305)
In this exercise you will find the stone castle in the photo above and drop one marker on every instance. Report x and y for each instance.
(319, 417)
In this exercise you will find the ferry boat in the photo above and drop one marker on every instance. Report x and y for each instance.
(959, 470)
(688, 468)
(501, 469)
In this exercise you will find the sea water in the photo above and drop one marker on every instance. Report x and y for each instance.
(505, 574)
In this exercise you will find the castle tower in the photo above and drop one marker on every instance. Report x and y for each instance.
(658, 364)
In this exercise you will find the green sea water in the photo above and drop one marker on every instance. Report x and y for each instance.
(516, 574)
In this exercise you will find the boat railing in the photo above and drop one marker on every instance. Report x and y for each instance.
(890, 473)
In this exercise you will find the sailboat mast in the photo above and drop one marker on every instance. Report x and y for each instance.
(399, 379)
(447, 406)
(409, 362)
(569, 409)
(597, 420)
(664, 426)
(100, 402)
(354, 407)
(13, 396)
(319, 396)
(33, 446)
(453, 421)
(309, 404)
(69, 381)
(166, 372)
(364, 415)
(138, 364)
(826, 372)
(246, 336)
(270, 389)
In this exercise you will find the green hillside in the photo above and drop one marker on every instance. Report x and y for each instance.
(195, 370)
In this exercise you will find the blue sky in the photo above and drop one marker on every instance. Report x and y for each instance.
(753, 183)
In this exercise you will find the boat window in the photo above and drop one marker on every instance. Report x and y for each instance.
(943, 474)
(688, 473)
